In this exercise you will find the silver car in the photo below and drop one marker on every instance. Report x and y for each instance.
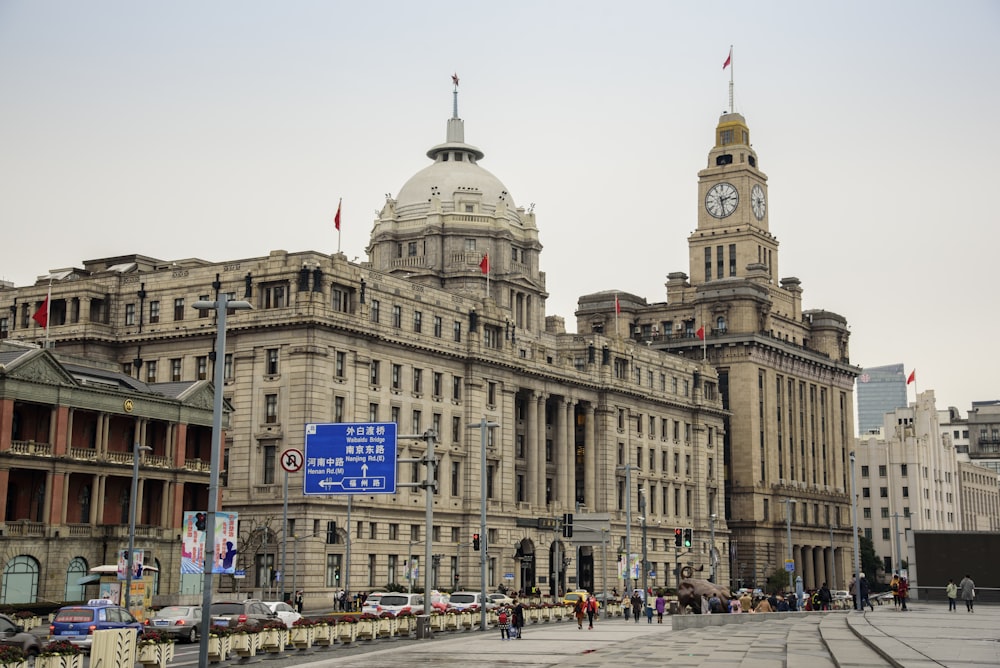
(182, 622)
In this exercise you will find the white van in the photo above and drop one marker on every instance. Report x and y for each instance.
(396, 603)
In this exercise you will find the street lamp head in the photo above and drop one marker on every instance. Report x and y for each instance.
(236, 305)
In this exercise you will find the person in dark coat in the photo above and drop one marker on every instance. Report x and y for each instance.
(967, 589)
(518, 618)
(636, 606)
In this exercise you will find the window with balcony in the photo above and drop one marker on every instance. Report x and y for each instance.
(270, 453)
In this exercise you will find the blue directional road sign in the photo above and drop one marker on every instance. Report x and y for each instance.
(350, 458)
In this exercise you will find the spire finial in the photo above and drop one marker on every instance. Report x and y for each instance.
(454, 108)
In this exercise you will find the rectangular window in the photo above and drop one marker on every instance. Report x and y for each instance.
(456, 430)
(373, 412)
(340, 299)
(374, 315)
(883, 492)
(338, 409)
(154, 312)
(866, 492)
(708, 263)
(332, 537)
(270, 408)
(201, 364)
(456, 388)
(491, 393)
(394, 376)
(267, 472)
(179, 309)
(340, 364)
(203, 313)
(373, 373)
(417, 419)
(274, 295)
(333, 570)
(902, 470)
(438, 326)
(882, 471)
(418, 381)
(438, 379)
(129, 314)
(867, 513)
(906, 492)
(175, 370)
(732, 259)
(397, 316)
(885, 512)
(272, 361)
(454, 478)
(864, 470)
(885, 533)
(373, 530)
(418, 319)
(151, 372)
(458, 330)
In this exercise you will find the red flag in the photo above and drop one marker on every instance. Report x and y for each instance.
(484, 264)
(729, 59)
(701, 333)
(42, 314)
(618, 307)
(336, 219)
(912, 378)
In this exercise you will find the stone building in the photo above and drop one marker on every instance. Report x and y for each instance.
(784, 372)
(67, 430)
(980, 502)
(444, 325)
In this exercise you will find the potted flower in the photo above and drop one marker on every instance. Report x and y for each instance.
(387, 625)
(155, 649)
(218, 644)
(405, 621)
(27, 619)
(273, 636)
(12, 657)
(245, 640)
(368, 626)
(59, 654)
(347, 629)
(302, 633)
(323, 628)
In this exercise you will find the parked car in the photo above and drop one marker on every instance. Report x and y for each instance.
(439, 600)
(842, 599)
(462, 600)
(250, 612)
(182, 622)
(77, 623)
(12, 633)
(397, 603)
(571, 597)
(285, 612)
(371, 605)
(500, 599)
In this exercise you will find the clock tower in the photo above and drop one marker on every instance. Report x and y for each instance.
(732, 232)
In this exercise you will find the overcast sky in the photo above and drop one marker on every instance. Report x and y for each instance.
(225, 130)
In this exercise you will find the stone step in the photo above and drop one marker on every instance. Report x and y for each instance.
(847, 647)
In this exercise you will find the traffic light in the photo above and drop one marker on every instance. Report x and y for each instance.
(687, 537)
(677, 537)
(199, 521)
(567, 527)
(475, 541)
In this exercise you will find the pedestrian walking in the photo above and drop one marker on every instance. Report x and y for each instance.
(894, 586)
(627, 607)
(661, 607)
(952, 592)
(518, 619)
(904, 591)
(968, 588)
(636, 606)
(591, 610)
(865, 589)
(578, 612)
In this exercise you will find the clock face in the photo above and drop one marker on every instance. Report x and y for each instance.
(721, 200)
(757, 202)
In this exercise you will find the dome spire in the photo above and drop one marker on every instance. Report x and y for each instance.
(455, 136)
(454, 106)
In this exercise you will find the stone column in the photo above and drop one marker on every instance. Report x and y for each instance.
(566, 464)
(531, 447)
(541, 460)
(590, 460)
(97, 502)
(808, 574)
(165, 505)
(820, 554)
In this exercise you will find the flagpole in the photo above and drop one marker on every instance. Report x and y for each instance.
(339, 203)
(617, 309)
(48, 310)
(732, 70)
(488, 270)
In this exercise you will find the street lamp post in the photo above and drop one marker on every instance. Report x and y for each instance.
(788, 527)
(484, 426)
(857, 548)
(132, 503)
(711, 546)
(220, 306)
(833, 558)
(645, 568)
(628, 523)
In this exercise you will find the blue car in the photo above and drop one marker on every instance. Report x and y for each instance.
(77, 623)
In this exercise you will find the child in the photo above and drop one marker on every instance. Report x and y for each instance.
(503, 621)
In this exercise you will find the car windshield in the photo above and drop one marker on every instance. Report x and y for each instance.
(227, 608)
(77, 615)
(463, 598)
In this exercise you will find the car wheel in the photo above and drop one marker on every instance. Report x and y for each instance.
(193, 635)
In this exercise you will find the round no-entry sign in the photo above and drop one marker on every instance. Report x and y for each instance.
(291, 460)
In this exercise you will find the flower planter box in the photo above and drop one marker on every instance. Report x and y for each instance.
(155, 654)
(245, 644)
(405, 625)
(323, 635)
(59, 661)
(438, 622)
(218, 649)
(273, 640)
(367, 629)
(451, 622)
(465, 620)
(302, 637)
(14, 664)
(346, 632)
(387, 627)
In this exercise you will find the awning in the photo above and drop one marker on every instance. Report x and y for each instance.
(89, 579)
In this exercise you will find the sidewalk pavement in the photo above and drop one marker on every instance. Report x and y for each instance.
(926, 636)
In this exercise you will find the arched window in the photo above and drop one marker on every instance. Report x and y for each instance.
(20, 580)
(74, 588)
(720, 325)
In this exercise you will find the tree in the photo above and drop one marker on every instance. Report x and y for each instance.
(871, 565)
(777, 581)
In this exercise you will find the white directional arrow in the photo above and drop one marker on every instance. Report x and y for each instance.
(364, 470)
(327, 483)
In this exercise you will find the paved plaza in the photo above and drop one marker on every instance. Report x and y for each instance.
(925, 636)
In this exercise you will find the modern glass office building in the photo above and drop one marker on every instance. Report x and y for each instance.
(881, 390)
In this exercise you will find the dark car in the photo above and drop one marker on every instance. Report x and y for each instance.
(12, 633)
(77, 623)
(251, 612)
(177, 621)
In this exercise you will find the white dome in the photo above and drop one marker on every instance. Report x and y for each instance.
(448, 180)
